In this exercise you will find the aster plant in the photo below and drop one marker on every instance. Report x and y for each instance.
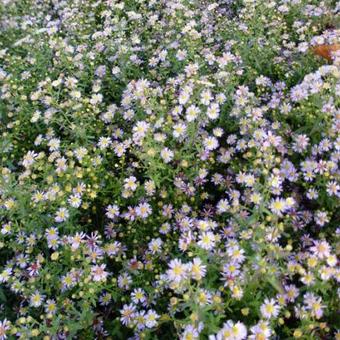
(169, 170)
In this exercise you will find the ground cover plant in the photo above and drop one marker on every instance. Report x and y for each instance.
(169, 169)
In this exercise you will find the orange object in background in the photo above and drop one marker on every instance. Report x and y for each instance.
(325, 51)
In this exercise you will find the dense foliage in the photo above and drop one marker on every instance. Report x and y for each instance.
(169, 169)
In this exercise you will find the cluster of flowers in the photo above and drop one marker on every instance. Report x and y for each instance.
(169, 169)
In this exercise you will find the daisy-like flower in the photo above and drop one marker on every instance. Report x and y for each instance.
(119, 149)
(332, 260)
(203, 297)
(80, 153)
(269, 309)
(29, 159)
(210, 143)
(4, 327)
(333, 188)
(150, 187)
(6, 229)
(124, 281)
(236, 292)
(54, 144)
(36, 299)
(213, 111)
(76, 240)
(105, 299)
(98, 273)
(151, 318)
(307, 278)
(291, 293)
(300, 143)
(38, 196)
(206, 97)
(143, 210)
(50, 307)
(22, 261)
(321, 218)
(61, 215)
(231, 269)
(112, 211)
(223, 206)
(52, 233)
(138, 296)
(164, 228)
(127, 314)
(190, 333)
(79, 189)
(236, 254)
(197, 269)
(218, 132)
(191, 113)
(232, 331)
(179, 130)
(184, 95)
(314, 304)
(68, 281)
(312, 194)
(96, 98)
(61, 164)
(130, 183)
(155, 245)
(75, 201)
(167, 155)
(33, 269)
(104, 143)
(177, 271)
(207, 240)
(278, 206)
(321, 249)
(260, 331)
(140, 129)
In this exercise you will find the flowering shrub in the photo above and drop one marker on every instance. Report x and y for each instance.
(169, 170)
